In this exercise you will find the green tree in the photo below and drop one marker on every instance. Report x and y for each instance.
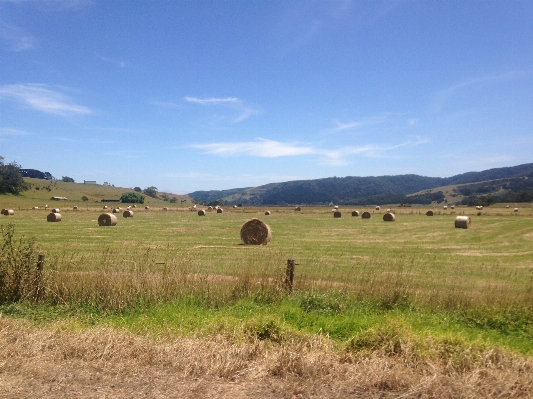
(67, 179)
(138, 189)
(132, 198)
(84, 198)
(11, 180)
(151, 191)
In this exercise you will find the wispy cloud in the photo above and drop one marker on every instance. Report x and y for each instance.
(357, 124)
(39, 97)
(6, 131)
(13, 38)
(113, 61)
(274, 149)
(244, 111)
(260, 148)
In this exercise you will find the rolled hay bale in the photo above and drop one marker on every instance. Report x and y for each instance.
(429, 213)
(134, 206)
(107, 219)
(8, 212)
(445, 207)
(389, 217)
(127, 214)
(355, 213)
(55, 210)
(365, 215)
(74, 208)
(377, 208)
(297, 208)
(201, 212)
(194, 207)
(267, 213)
(53, 217)
(507, 206)
(337, 214)
(46, 207)
(104, 207)
(234, 206)
(453, 206)
(255, 232)
(147, 208)
(463, 222)
(210, 208)
(388, 210)
(116, 210)
(515, 209)
(165, 208)
(336, 207)
(35, 207)
(334, 210)
(220, 210)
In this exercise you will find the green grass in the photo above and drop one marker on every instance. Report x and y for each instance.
(177, 273)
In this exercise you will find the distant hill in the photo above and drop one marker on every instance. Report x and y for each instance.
(377, 190)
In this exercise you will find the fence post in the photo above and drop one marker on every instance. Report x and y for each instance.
(289, 274)
(40, 262)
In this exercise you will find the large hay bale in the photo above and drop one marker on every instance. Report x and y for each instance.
(165, 208)
(134, 206)
(74, 208)
(507, 206)
(516, 209)
(147, 208)
(55, 210)
(53, 217)
(8, 212)
(220, 210)
(267, 213)
(234, 206)
(453, 206)
(429, 213)
(445, 207)
(336, 207)
(127, 214)
(116, 210)
(377, 208)
(355, 213)
(255, 232)
(365, 215)
(297, 208)
(107, 219)
(35, 207)
(389, 217)
(201, 212)
(337, 214)
(463, 222)
(104, 207)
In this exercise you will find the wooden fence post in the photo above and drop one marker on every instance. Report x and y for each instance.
(289, 274)
(40, 262)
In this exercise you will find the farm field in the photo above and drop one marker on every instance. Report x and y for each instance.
(417, 306)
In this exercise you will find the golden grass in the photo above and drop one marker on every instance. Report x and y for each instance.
(58, 361)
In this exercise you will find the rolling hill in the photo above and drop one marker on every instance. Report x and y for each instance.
(353, 190)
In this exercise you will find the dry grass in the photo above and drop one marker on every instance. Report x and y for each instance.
(58, 362)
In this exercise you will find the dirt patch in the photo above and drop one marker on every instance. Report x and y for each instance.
(53, 362)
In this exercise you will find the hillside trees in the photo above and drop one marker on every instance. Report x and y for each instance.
(132, 198)
(150, 191)
(67, 179)
(11, 180)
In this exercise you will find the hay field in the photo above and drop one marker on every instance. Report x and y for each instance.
(440, 306)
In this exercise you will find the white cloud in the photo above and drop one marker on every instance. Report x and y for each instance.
(39, 97)
(244, 111)
(261, 148)
(5, 131)
(273, 149)
(113, 61)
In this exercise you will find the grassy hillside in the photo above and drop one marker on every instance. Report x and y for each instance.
(40, 191)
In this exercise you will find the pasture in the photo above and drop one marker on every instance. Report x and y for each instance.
(359, 284)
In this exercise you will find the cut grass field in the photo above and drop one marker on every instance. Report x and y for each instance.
(429, 300)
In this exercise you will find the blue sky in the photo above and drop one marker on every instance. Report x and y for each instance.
(202, 95)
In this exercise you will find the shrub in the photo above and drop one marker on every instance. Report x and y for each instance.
(132, 198)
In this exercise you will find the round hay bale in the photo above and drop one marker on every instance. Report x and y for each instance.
(165, 208)
(267, 213)
(53, 217)
(355, 213)
(35, 207)
(389, 217)
(255, 232)
(116, 210)
(235, 206)
(377, 208)
(209, 208)
(46, 207)
(337, 214)
(55, 210)
(74, 208)
(336, 207)
(507, 206)
(147, 208)
(365, 215)
(8, 212)
(445, 207)
(297, 208)
(104, 207)
(220, 210)
(127, 214)
(333, 210)
(463, 222)
(453, 206)
(134, 206)
(388, 210)
(429, 213)
(107, 219)
(201, 212)
(516, 209)
(194, 207)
